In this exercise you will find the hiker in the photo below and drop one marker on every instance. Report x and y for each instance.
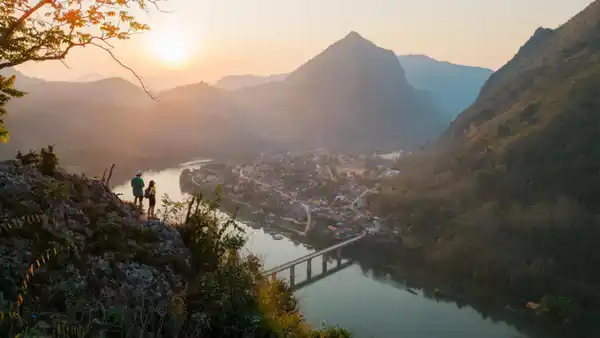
(137, 183)
(150, 194)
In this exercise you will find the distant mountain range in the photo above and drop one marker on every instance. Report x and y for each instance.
(354, 95)
(235, 82)
(455, 87)
(89, 77)
(112, 120)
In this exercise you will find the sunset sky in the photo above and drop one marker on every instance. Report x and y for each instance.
(208, 39)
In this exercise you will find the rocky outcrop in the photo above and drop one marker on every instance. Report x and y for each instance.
(67, 240)
(75, 261)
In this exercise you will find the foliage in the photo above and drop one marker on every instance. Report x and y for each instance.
(558, 308)
(50, 29)
(48, 161)
(7, 91)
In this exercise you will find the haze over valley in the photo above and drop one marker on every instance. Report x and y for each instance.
(368, 105)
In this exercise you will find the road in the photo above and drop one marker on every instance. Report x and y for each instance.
(331, 174)
(353, 204)
(377, 225)
(304, 205)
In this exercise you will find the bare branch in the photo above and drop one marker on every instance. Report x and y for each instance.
(157, 7)
(65, 64)
(139, 78)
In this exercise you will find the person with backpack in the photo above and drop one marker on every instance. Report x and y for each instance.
(137, 184)
(150, 194)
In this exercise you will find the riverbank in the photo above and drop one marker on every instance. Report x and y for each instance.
(407, 265)
(387, 309)
(450, 285)
(412, 269)
(498, 290)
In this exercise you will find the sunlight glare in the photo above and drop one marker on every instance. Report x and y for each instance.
(169, 46)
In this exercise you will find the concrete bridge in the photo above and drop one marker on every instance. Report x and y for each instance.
(325, 253)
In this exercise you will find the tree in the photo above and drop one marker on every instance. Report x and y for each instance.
(7, 91)
(45, 30)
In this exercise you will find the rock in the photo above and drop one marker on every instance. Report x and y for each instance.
(119, 260)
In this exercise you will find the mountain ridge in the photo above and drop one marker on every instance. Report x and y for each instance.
(454, 86)
(350, 88)
(77, 117)
(514, 180)
(362, 89)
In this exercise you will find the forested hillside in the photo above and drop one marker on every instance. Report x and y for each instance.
(508, 196)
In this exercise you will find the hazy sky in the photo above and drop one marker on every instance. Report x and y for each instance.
(222, 37)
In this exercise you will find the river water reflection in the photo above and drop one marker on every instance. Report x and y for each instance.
(353, 298)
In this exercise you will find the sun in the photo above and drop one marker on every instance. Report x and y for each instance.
(169, 47)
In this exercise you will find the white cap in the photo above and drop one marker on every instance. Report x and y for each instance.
(138, 173)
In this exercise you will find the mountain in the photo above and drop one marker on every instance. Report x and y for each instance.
(199, 122)
(115, 90)
(538, 113)
(110, 90)
(90, 77)
(354, 95)
(23, 82)
(455, 86)
(235, 82)
(94, 124)
(508, 196)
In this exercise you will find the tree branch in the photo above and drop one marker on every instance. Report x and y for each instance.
(155, 4)
(20, 21)
(65, 64)
(139, 78)
(60, 56)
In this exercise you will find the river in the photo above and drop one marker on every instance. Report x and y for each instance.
(353, 298)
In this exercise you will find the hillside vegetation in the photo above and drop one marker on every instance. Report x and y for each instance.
(508, 197)
(78, 262)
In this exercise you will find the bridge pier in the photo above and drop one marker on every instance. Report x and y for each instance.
(324, 254)
(292, 275)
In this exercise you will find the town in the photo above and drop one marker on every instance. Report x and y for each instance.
(320, 194)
